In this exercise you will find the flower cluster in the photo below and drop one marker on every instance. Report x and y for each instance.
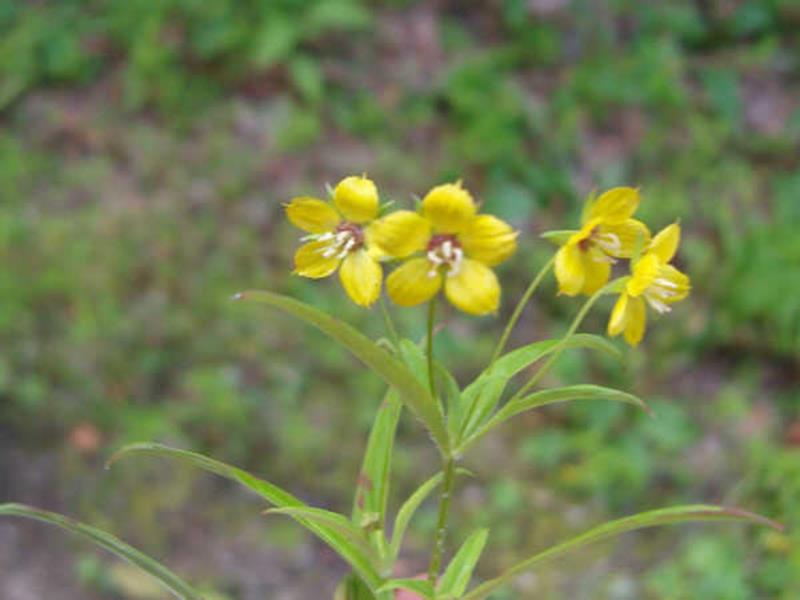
(445, 244)
(448, 245)
(609, 232)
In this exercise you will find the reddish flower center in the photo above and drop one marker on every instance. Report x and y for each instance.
(444, 250)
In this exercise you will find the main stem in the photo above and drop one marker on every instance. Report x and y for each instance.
(449, 473)
(429, 340)
(526, 297)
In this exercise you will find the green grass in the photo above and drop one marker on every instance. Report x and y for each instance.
(145, 153)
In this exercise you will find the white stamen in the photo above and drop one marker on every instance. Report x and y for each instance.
(608, 241)
(329, 251)
(657, 304)
(435, 258)
(662, 293)
(666, 283)
(449, 254)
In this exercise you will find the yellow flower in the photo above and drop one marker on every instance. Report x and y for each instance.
(449, 246)
(336, 238)
(653, 280)
(583, 263)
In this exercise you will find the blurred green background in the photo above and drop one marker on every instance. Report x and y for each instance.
(145, 150)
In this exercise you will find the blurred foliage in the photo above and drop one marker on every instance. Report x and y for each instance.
(146, 147)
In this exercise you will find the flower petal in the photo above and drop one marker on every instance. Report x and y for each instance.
(489, 240)
(449, 207)
(570, 271)
(474, 288)
(676, 283)
(644, 274)
(309, 260)
(619, 316)
(399, 234)
(665, 243)
(357, 199)
(597, 270)
(312, 215)
(615, 206)
(411, 283)
(636, 322)
(622, 239)
(361, 277)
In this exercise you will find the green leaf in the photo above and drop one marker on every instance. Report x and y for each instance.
(679, 514)
(409, 508)
(451, 393)
(178, 587)
(554, 396)
(372, 490)
(416, 396)
(456, 577)
(420, 587)
(352, 588)
(483, 394)
(414, 358)
(406, 513)
(327, 519)
(361, 562)
(520, 358)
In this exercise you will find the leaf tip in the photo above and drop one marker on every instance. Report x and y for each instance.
(754, 517)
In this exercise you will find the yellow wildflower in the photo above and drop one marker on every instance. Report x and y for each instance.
(453, 246)
(336, 238)
(652, 280)
(583, 263)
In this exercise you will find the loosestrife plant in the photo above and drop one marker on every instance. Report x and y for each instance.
(445, 245)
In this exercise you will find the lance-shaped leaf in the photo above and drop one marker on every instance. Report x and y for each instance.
(420, 587)
(362, 562)
(412, 392)
(406, 513)
(352, 588)
(409, 508)
(482, 396)
(329, 520)
(679, 514)
(456, 577)
(446, 385)
(554, 396)
(173, 583)
(372, 490)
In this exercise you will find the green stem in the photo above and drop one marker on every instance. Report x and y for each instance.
(390, 328)
(429, 341)
(449, 473)
(562, 345)
(520, 307)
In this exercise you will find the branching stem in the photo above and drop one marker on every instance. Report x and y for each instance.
(526, 297)
(563, 344)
